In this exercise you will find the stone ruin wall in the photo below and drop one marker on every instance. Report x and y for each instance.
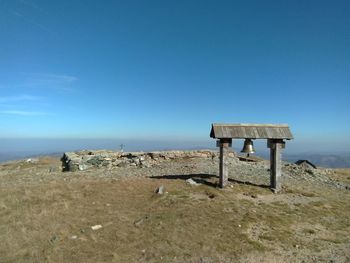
(83, 160)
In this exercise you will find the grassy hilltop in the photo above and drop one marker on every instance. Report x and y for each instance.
(46, 215)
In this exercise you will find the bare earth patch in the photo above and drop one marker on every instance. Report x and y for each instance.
(47, 215)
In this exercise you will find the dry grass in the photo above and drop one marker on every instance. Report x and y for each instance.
(242, 223)
(342, 175)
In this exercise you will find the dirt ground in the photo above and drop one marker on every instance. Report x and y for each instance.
(47, 215)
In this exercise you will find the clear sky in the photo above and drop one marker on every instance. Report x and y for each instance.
(162, 69)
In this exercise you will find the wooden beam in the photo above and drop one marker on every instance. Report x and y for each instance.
(276, 147)
(224, 144)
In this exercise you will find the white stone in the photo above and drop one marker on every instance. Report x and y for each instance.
(160, 190)
(32, 160)
(96, 227)
(191, 182)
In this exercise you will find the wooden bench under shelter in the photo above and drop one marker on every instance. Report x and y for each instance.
(275, 135)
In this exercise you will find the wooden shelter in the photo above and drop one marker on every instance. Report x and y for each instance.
(306, 164)
(274, 133)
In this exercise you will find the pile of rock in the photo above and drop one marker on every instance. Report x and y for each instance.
(308, 173)
(83, 160)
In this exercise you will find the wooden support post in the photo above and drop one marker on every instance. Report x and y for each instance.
(276, 147)
(223, 171)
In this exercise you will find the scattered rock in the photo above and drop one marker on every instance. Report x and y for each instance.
(160, 190)
(84, 166)
(210, 195)
(146, 165)
(96, 227)
(32, 160)
(310, 171)
(136, 161)
(123, 164)
(53, 239)
(83, 160)
(191, 182)
(140, 221)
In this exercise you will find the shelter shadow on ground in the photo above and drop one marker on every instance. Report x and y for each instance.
(198, 178)
(248, 183)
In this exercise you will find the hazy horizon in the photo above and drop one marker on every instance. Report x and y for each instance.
(17, 149)
(53, 145)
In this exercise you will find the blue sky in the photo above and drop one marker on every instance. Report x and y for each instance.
(168, 69)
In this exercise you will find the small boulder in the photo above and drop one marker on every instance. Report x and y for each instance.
(96, 227)
(190, 181)
(32, 160)
(84, 166)
(160, 190)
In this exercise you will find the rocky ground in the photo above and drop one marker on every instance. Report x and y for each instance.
(253, 170)
(49, 206)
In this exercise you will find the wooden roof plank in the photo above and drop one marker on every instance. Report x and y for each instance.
(254, 131)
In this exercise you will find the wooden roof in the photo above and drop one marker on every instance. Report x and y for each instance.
(250, 130)
(305, 163)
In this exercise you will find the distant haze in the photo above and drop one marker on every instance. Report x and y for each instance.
(18, 148)
(323, 154)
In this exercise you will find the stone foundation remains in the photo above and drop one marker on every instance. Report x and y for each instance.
(83, 160)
